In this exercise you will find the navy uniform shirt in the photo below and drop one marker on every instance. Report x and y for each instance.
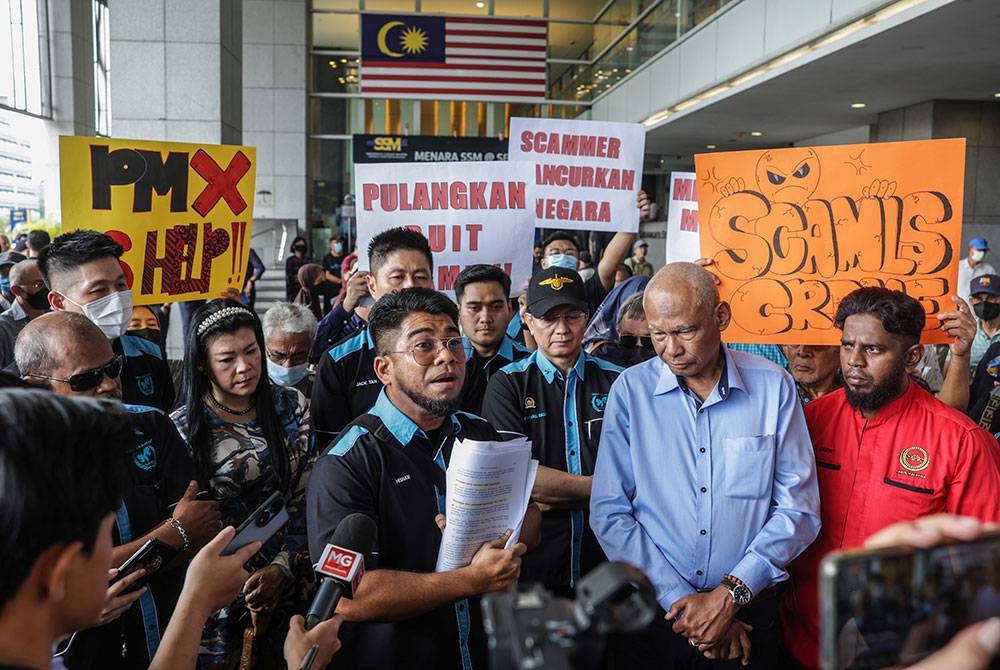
(562, 417)
(478, 371)
(145, 377)
(385, 466)
(159, 470)
(345, 386)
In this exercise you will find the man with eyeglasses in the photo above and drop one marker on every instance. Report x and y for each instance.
(483, 293)
(288, 334)
(390, 464)
(31, 300)
(556, 396)
(67, 354)
(706, 481)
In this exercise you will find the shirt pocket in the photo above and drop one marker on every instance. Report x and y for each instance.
(749, 466)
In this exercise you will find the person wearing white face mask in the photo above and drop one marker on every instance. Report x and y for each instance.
(83, 274)
(288, 335)
(972, 266)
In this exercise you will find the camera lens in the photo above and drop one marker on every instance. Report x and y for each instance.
(263, 518)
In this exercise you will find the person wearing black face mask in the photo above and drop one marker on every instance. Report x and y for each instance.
(31, 299)
(985, 300)
(298, 258)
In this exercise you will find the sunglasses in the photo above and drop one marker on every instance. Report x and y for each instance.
(629, 341)
(90, 379)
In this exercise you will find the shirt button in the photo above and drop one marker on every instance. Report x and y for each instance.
(572, 452)
(702, 450)
(703, 531)
(704, 490)
(698, 572)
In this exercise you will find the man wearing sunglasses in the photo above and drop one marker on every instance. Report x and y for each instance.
(634, 344)
(390, 464)
(556, 396)
(82, 271)
(31, 300)
(66, 353)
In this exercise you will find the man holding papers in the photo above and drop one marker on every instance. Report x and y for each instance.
(556, 396)
(390, 464)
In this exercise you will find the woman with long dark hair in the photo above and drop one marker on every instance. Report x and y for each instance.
(248, 439)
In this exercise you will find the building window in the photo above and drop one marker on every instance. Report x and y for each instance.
(24, 77)
(102, 68)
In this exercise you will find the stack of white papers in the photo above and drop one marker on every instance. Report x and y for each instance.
(489, 487)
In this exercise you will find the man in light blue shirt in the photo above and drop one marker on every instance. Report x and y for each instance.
(706, 481)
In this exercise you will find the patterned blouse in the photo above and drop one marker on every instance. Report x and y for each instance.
(243, 477)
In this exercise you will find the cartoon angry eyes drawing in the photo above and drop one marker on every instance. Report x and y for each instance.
(788, 176)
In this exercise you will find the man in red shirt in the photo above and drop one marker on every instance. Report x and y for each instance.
(886, 451)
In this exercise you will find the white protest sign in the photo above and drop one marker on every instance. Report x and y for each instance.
(682, 219)
(470, 213)
(587, 173)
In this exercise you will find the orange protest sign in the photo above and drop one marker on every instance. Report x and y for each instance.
(792, 231)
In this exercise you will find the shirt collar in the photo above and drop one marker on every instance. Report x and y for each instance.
(549, 370)
(506, 349)
(730, 378)
(401, 426)
(893, 409)
(368, 338)
(15, 311)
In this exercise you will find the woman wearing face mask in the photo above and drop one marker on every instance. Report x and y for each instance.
(248, 439)
(292, 265)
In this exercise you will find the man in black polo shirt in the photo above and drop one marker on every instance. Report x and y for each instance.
(83, 274)
(556, 397)
(66, 353)
(389, 463)
(483, 293)
(346, 385)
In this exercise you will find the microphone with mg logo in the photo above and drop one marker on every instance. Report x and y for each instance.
(342, 565)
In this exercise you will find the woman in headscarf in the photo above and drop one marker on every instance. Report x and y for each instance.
(310, 276)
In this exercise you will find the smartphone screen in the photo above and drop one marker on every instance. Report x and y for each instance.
(894, 606)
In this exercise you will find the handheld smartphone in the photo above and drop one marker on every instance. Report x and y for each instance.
(261, 525)
(895, 606)
(152, 556)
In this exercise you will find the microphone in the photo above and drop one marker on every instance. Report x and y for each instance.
(342, 565)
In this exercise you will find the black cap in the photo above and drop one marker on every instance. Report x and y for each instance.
(554, 287)
(11, 257)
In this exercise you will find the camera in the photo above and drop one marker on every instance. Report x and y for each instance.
(270, 511)
(531, 628)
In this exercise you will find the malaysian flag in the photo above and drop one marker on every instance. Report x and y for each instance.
(431, 57)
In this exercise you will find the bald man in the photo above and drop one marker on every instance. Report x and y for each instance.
(31, 299)
(706, 480)
(66, 353)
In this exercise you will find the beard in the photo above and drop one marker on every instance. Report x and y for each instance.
(445, 407)
(880, 395)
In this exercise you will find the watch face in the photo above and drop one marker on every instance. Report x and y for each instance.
(741, 595)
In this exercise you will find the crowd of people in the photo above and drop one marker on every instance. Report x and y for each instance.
(725, 476)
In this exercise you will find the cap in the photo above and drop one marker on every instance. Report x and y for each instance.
(640, 243)
(989, 284)
(11, 257)
(979, 243)
(554, 287)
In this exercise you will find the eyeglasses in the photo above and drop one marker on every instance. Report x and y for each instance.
(629, 341)
(90, 379)
(574, 318)
(295, 358)
(424, 352)
(32, 287)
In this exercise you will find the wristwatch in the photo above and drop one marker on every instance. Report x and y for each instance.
(739, 591)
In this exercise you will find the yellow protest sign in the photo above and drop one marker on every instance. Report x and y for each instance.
(182, 212)
(792, 231)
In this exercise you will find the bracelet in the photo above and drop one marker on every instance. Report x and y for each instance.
(176, 525)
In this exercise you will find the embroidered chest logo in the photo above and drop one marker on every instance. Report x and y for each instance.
(529, 403)
(145, 456)
(915, 459)
(404, 478)
(145, 383)
(598, 401)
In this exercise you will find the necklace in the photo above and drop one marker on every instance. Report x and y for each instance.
(234, 412)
